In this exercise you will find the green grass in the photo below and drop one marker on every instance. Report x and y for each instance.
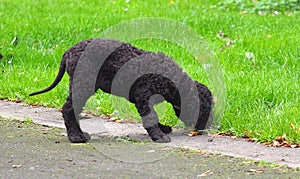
(262, 92)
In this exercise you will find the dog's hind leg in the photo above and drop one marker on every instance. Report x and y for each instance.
(74, 131)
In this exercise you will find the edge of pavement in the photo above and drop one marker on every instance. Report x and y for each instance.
(97, 126)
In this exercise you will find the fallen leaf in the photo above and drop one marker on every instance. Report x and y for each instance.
(112, 119)
(202, 152)
(35, 106)
(17, 101)
(285, 144)
(233, 137)
(280, 138)
(276, 143)
(165, 149)
(205, 174)
(104, 116)
(218, 135)
(16, 166)
(246, 163)
(259, 171)
(294, 146)
(277, 167)
(268, 144)
(253, 140)
(245, 137)
(194, 133)
(119, 121)
(255, 171)
(129, 121)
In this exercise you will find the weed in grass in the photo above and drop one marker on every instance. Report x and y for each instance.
(28, 120)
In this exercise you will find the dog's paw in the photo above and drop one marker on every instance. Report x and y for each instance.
(157, 135)
(165, 129)
(163, 139)
(79, 137)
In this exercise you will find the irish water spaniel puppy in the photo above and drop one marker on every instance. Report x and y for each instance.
(141, 91)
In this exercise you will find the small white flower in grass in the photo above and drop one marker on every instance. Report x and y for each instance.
(249, 55)
(207, 66)
(96, 30)
(125, 9)
(127, 1)
(36, 79)
(276, 13)
(261, 13)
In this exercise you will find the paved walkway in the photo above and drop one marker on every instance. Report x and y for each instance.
(29, 150)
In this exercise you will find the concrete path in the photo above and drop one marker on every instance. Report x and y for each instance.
(30, 150)
(101, 127)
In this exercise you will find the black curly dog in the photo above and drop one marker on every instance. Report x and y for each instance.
(140, 92)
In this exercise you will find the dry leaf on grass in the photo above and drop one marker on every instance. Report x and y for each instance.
(281, 141)
(16, 166)
(165, 149)
(255, 171)
(112, 119)
(233, 137)
(129, 121)
(103, 116)
(205, 174)
(201, 152)
(194, 133)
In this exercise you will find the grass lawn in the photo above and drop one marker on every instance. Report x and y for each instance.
(261, 68)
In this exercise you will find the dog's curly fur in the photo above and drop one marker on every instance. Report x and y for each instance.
(140, 92)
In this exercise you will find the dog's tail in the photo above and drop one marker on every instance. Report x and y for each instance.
(58, 78)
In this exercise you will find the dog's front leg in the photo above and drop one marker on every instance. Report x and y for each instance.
(156, 131)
